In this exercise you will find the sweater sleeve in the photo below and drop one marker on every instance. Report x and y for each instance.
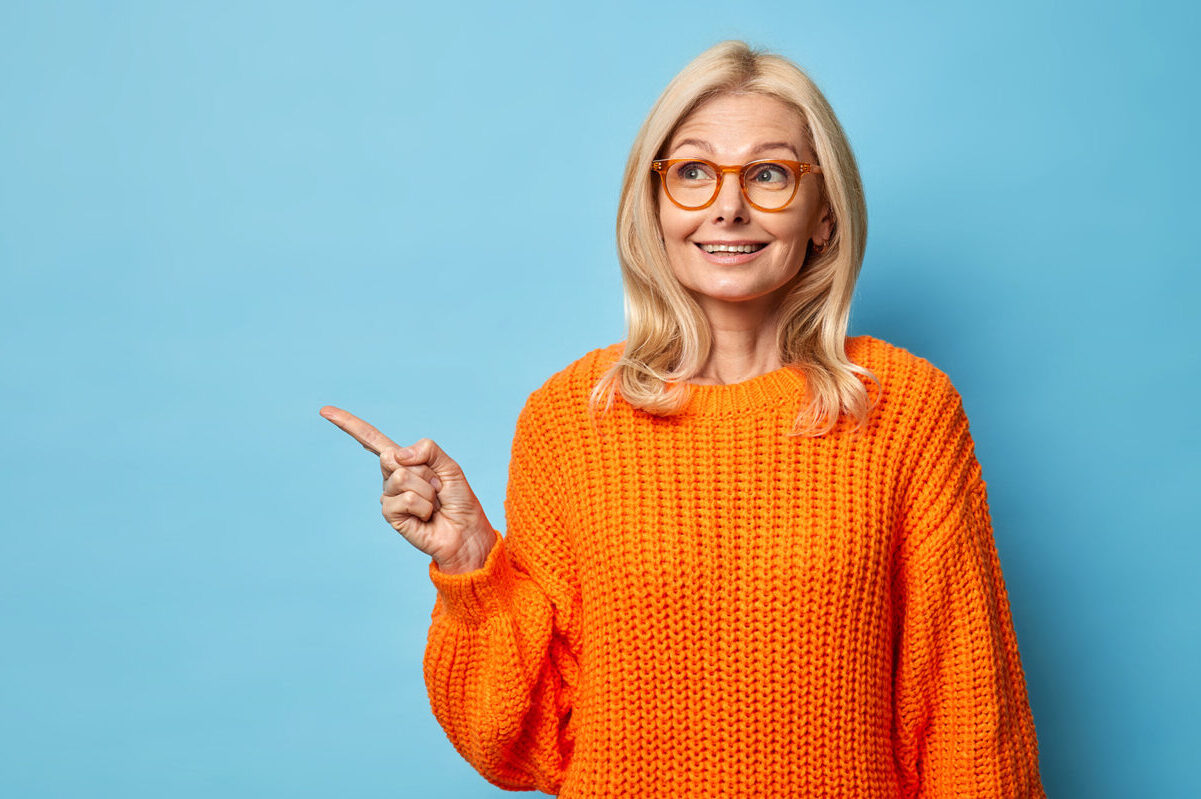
(501, 661)
(962, 722)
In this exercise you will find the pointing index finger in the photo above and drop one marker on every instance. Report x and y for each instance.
(371, 438)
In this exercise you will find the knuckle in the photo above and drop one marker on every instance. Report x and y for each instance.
(424, 508)
(395, 515)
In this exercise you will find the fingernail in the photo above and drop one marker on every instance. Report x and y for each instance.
(436, 483)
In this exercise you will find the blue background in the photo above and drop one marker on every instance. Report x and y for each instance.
(216, 218)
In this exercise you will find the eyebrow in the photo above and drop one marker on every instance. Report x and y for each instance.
(704, 145)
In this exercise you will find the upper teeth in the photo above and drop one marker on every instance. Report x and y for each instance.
(730, 247)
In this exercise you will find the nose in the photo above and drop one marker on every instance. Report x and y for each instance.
(731, 205)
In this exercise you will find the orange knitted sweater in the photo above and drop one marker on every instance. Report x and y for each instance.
(703, 606)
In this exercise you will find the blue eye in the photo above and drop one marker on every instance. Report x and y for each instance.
(693, 171)
(770, 175)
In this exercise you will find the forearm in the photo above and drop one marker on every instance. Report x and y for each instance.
(490, 670)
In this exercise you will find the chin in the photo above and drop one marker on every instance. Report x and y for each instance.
(730, 296)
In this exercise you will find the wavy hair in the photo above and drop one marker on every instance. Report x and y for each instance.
(668, 336)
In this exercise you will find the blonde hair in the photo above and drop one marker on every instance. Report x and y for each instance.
(668, 336)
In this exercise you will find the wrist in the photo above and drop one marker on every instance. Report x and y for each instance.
(472, 555)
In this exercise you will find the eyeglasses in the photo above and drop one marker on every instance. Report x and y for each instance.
(693, 183)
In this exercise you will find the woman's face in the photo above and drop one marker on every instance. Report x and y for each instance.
(736, 129)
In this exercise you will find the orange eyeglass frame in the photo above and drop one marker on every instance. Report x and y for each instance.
(660, 167)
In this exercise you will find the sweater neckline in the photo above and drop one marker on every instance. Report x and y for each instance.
(766, 390)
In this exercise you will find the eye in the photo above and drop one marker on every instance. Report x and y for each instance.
(693, 171)
(770, 174)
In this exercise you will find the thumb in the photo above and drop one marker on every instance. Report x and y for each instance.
(428, 452)
(388, 462)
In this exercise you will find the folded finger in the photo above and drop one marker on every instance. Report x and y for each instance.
(407, 480)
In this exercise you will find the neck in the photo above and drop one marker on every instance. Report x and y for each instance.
(744, 341)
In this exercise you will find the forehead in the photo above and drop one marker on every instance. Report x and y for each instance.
(736, 125)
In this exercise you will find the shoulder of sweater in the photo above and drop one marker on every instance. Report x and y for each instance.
(905, 374)
(561, 403)
(575, 381)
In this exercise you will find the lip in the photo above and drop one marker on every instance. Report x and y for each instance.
(731, 257)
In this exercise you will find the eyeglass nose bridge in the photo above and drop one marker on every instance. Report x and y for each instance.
(721, 179)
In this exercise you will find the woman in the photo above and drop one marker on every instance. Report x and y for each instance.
(746, 555)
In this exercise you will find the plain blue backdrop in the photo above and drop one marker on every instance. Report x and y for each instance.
(217, 217)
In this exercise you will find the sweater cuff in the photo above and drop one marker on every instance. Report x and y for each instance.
(475, 596)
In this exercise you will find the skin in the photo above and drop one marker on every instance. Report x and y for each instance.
(741, 301)
(426, 497)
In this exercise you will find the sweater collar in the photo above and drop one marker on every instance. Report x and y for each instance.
(770, 389)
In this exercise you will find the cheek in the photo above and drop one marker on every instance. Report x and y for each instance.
(794, 231)
(669, 224)
(791, 239)
(675, 223)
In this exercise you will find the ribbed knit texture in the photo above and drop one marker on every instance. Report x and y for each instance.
(704, 606)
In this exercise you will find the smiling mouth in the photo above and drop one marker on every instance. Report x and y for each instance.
(731, 248)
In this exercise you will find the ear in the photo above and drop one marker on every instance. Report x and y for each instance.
(825, 226)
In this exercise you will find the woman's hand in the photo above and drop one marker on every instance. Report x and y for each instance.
(426, 497)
